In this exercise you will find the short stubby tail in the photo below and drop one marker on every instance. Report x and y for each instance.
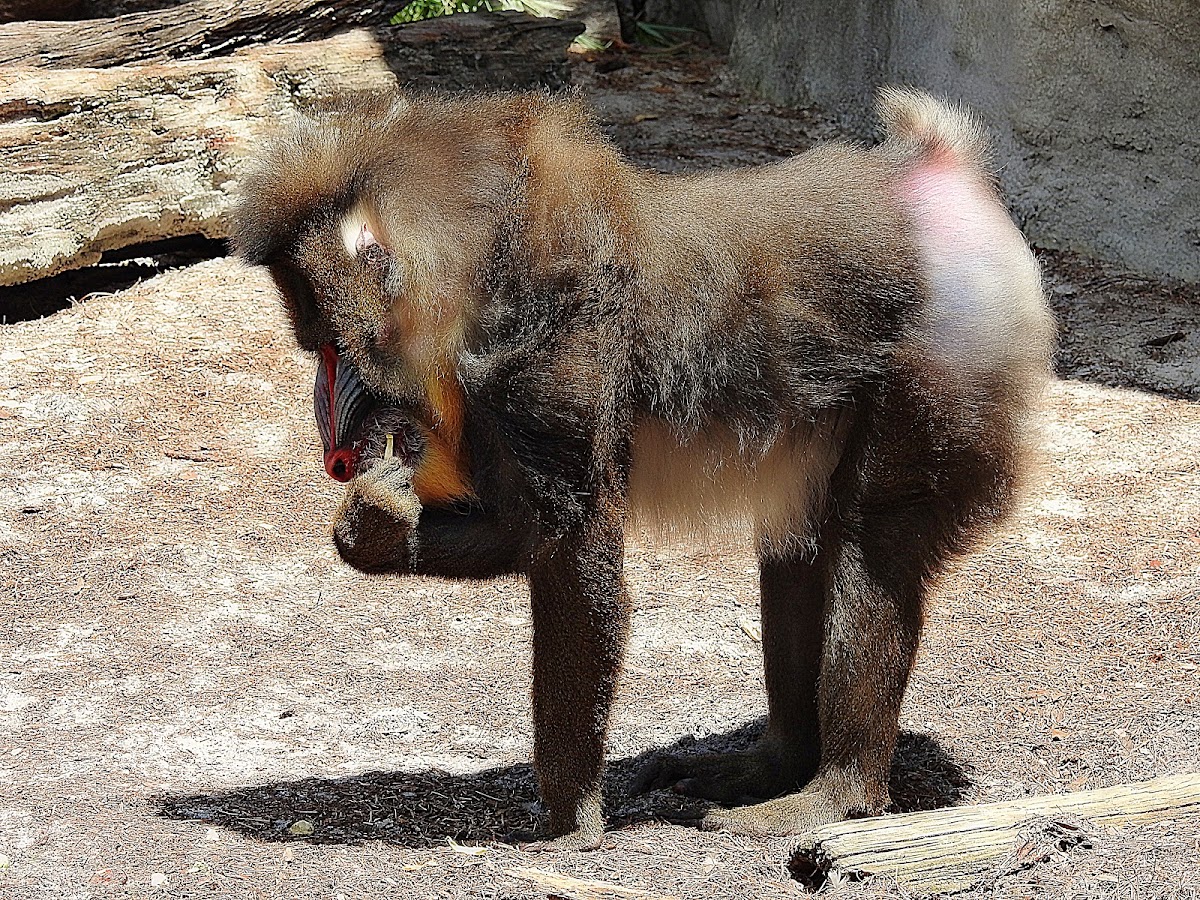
(984, 336)
(985, 314)
(920, 125)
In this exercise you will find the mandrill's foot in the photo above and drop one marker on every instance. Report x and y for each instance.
(588, 838)
(579, 826)
(825, 799)
(732, 778)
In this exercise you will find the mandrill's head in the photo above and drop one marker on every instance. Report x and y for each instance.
(376, 220)
(379, 221)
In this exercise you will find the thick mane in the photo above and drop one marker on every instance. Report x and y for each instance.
(314, 162)
(327, 161)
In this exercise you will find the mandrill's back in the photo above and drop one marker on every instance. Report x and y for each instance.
(853, 256)
(815, 290)
(797, 277)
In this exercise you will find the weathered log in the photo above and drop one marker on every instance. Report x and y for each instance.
(451, 52)
(15, 10)
(97, 159)
(571, 888)
(197, 30)
(953, 849)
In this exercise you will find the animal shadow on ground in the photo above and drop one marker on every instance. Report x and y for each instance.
(424, 809)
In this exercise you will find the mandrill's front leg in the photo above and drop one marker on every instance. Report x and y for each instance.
(580, 627)
(580, 620)
(381, 527)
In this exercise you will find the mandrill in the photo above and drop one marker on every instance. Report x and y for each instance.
(528, 346)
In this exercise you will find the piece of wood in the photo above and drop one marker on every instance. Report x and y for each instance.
(96, 159)
(200, 29)
(558, 885)
(953, 849)
(16, 10)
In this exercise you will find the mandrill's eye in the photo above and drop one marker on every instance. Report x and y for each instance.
(390, 274)
(374, 256)
(384, 268)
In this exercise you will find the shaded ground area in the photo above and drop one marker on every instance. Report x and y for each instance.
(197, 700)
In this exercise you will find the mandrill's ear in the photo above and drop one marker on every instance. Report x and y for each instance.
(365, 240)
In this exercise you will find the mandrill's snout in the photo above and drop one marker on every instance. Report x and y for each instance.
(341, 464)
(357, 427)
(341, 402)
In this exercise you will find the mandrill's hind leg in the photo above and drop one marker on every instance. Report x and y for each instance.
(915, 482)
(792, 598)
(871, 628)
(840, 634)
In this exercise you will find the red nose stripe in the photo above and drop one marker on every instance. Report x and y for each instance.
(331, 363)
(340, 464)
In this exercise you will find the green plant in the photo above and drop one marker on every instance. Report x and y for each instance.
(431, 9)
(663, 36)
(417, 10)
(590, 42)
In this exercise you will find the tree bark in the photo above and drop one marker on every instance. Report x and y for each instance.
(452, 52)
(570, 888)
(199, 30)
(18, 10)
(15, 10)
(954, 849)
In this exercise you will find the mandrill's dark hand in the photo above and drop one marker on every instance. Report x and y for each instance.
(375, 528)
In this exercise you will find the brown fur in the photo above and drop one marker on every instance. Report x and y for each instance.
(840, 351)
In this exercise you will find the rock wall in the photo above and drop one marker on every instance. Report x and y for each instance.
(1093, 103)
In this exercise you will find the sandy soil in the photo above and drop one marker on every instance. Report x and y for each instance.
(198, 700)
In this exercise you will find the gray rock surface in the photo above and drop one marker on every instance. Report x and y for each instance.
(1092, 104)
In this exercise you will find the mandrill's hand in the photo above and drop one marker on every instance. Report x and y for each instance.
(375, 529)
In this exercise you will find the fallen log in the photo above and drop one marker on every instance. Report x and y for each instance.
(953, 849)
(19, 10)
(501, 50)
(570, 888)
(15, 10)
(99, 159)
(199, 30)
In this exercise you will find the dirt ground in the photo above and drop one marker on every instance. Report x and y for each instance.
(198, 700)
